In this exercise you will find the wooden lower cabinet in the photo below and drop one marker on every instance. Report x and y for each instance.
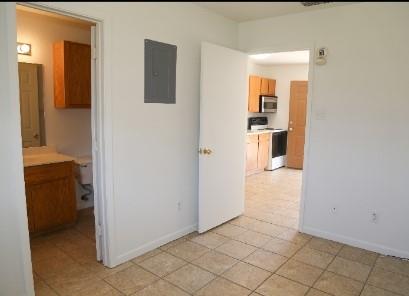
(252, 154)
(257, 153)
(50, 196)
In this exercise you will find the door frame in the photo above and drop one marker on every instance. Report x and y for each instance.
(101, 141)
(311, 71)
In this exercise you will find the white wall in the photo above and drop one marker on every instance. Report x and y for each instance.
(359, 141)
(15, 268)
(69, 130)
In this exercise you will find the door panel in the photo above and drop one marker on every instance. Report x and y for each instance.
(222, 173)
(263, 151)
(29, 105)
(254, 93)
(271, 87)
(296, 126)
(52, 204)
(264, 86)
(252, 153)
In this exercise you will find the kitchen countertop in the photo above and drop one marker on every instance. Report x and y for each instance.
(265, 131)
(43, 155)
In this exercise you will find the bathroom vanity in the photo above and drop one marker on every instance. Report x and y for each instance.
(50, 190)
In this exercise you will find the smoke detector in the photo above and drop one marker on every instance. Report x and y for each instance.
(308, 4)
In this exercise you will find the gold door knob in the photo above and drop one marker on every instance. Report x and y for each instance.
(290, 129)
(207, 151)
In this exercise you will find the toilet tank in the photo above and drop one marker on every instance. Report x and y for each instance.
(84, 169)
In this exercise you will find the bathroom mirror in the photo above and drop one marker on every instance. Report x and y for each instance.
(31, 105)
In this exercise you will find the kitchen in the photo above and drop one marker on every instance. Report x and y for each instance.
(277, 106)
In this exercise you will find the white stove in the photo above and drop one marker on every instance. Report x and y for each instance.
(278, 145)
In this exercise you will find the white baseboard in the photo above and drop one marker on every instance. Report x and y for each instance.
(153, 245)
(384, 250)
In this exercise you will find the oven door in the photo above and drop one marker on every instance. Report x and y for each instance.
(268, 104)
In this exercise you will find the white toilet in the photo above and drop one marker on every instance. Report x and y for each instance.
(84, 175)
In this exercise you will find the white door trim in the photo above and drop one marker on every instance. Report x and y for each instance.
(101, 138)
(311, 70)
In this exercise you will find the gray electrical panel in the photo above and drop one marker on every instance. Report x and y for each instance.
(160, 72)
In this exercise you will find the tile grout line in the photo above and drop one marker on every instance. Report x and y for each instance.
(324, 270)
(369, 274)
(275, 272)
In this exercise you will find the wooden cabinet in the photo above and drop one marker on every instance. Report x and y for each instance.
(262, 157)
(252, 153)
(254, 93)
(257, 153)
(50, 196)
(72, 75)
(264, 86)
(271, 87)
(259, 86)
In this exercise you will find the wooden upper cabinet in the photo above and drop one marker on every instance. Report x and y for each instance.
(264, 86)
(271, 87)
(254, 93)
(259, 86)
(72, 75)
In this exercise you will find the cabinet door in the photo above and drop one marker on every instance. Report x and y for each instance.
(263, 144)
(264, 86)
(271, 87)
(252, 153)
(52, 204)
(254, 93)
(77, 62)
(29, 203)
(72, 75)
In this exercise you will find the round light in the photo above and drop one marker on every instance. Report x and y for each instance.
(23, 48)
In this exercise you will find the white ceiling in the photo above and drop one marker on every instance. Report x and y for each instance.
(280, 58)
(246, 11)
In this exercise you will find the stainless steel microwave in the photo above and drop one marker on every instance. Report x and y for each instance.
(268, 104)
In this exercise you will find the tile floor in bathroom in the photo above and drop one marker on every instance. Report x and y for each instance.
(259, 253)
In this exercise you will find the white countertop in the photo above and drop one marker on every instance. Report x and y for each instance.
(43, 155)
(256, 132)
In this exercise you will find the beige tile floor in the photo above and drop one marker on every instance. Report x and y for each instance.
(259, 253)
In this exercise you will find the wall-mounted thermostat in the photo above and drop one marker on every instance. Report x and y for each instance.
(320, 56)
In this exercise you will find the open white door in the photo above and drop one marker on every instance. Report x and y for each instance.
(223, 110)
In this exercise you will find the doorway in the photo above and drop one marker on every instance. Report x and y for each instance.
(272, 99)
(276, 137)
(59, 80)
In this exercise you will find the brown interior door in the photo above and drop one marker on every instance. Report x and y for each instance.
(296, 125)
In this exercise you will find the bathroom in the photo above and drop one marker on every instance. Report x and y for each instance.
(54, 55)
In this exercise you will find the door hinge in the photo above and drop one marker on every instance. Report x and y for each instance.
(98, 230)
(94, 53)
